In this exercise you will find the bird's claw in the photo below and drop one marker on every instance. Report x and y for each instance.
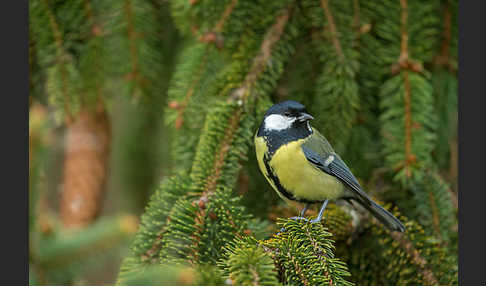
(299, 218)
(314, 220)
(296, 218)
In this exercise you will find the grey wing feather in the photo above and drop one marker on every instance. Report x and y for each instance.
(319, 144)
(336, 168)
(318, 151)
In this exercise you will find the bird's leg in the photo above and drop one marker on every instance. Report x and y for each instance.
(301, 216)
(319, 216)
(302, 213)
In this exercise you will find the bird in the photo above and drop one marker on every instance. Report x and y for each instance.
(301, 165)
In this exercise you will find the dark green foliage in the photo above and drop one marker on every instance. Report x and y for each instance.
(413, 258)
(393, 19)
(303, 254)
(408, 131)
(360, 66)
(338, 221)
(335, 41)
(403, 38)
(445, 91)
(199, 230)
(188, 98)
(434, 207)
(378, 76)
(153, 223)
(176, 276)
(69, 49)
(141, 47)
(248, 264)
(59, 257)
(225, 140)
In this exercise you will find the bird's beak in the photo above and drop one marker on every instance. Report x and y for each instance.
(304, 117)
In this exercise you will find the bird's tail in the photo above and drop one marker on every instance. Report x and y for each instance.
(385, 217)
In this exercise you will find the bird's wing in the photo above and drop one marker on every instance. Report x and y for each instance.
(319, 144)
(319, 153)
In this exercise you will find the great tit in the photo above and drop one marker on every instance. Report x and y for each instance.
(300, 164)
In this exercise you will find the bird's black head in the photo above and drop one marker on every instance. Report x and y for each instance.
(286, 121)
(286, 115)
(287, 108)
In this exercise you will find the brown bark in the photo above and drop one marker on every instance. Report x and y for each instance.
(85, 168)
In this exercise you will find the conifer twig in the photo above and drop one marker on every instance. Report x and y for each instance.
(211, 181)
(263, 56)
(409, 156)
(408, 247)
(356, 18)
(181, 108)
(297, 268)
(132, 38)
(96, 31)
(214, 34)
(272, 36)
(319, 252)
(443, 58)
(405, 62)
(333, 29)
(225, 16)
(60, 60)
(435, 214)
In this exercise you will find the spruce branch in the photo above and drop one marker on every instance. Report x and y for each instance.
(138, 49)
(409, 156)
(259, 62)
(443, 57)
(333, 30)
(60, 55)
(200, 18)
(158, 214)
(408, 130)
(204, 207)
(444, 80)
(132, 38)
(411, 82)
(181, 108)
(339, 59)
(406, 258)
(416, 258)
(175, 275)
(58, 258)
(91, 61)
(434, 207)
(214, 35)
(247, 264)
(358, 29)
(223, 86)
(189, 98)
(404, 61)
(303, 255)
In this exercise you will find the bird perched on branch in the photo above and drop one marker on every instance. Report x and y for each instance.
(301, 165)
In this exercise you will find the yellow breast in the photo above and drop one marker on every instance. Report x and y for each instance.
(297, 175)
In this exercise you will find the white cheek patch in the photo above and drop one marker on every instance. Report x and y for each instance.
(278, 122)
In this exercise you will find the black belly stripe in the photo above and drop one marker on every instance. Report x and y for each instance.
(279, 186)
